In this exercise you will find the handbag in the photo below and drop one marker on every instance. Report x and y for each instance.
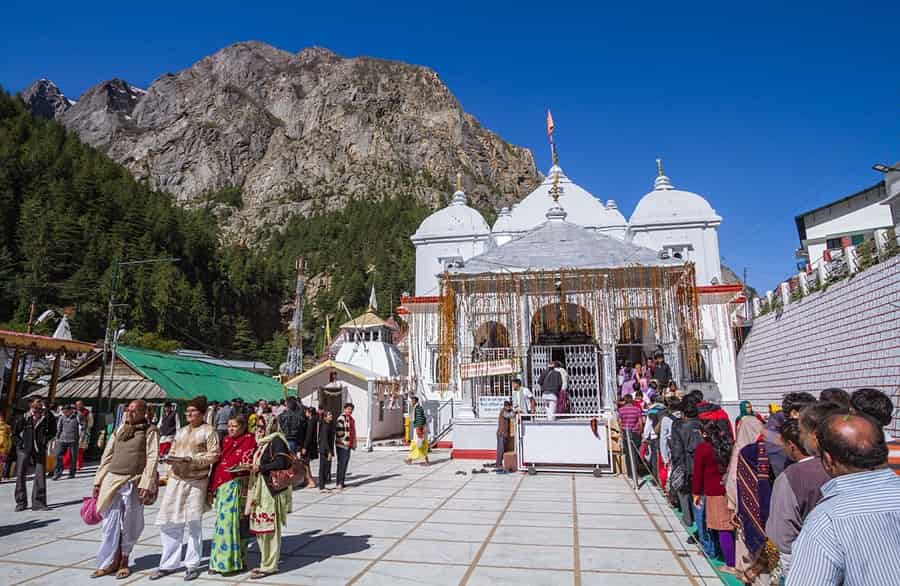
(279, 480)
(89, 512)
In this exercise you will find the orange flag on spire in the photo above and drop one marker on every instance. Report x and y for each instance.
(549, 124)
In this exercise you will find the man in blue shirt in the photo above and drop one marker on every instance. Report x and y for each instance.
(852, 537)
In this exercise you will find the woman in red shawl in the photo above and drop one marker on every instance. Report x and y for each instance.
(229, 489)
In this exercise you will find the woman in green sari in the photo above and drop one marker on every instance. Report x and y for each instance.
(229, 489)
(269, 507)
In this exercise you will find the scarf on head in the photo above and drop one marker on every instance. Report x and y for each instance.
(127, 431)
(742, 411)
(747, 434)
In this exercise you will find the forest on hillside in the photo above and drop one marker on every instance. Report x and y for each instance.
(67, 212)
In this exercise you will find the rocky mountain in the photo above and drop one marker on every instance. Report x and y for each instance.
(44, 99)
(293, 133)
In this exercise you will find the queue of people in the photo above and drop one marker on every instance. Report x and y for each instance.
(804, 497)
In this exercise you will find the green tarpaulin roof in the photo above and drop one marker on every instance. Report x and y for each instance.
(184, 378)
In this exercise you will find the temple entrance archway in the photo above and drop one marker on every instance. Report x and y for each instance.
(491, 334)
(564, 332)
(562, 323)
(636, 343)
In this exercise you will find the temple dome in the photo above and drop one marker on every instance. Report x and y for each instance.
(503, 224)
(583, 208)
(615, 217)
(667, 205)
(455, 220)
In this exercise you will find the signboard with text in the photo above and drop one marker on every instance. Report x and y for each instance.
(489, 368)
(490, 406)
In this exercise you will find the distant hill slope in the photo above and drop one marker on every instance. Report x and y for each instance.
(293, 133)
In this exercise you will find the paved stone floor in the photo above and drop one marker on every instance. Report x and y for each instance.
(398, 524)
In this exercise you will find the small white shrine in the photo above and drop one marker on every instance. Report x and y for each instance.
(366, 369)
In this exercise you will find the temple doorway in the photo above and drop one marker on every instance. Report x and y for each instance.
(564, 332)
(636, 343)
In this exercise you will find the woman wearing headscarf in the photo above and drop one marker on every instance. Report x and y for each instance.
(746, 410)
(229, 489)
(268, 504)
(263, 419)
(747, 435)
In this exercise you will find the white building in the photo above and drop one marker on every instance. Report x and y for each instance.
(669, 228)
(848, 221)
(368, 371)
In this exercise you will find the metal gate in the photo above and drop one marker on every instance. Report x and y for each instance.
(582, 363)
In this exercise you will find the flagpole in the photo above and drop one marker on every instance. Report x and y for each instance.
(554, 190)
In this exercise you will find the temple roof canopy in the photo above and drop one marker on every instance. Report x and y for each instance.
(557, 244)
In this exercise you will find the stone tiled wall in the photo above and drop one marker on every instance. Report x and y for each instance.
(847, 336)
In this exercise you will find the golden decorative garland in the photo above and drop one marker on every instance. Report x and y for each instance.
(606, 305)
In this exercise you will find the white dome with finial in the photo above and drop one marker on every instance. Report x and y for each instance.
(583, 208)
(614, 215)
(667, 205)
(503, 223)
(455, 220)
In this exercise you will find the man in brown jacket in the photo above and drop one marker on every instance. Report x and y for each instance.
(124, 483)
(504, 432)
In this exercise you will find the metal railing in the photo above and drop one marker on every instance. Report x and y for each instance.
(440, 416)
(833, 266)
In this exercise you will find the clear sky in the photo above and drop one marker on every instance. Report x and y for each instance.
(767, 109)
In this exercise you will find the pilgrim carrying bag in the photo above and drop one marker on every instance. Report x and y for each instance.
(279, 480)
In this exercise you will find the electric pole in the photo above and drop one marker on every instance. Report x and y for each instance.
(295, 351)
(108, 340)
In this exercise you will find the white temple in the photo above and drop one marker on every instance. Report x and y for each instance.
(668, 227)
(366, 369)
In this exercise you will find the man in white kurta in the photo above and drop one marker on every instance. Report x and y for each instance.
(195, 450)
(124, 483)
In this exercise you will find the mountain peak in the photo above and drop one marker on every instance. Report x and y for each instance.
(45, 99)
(318, 53)
(299, 133)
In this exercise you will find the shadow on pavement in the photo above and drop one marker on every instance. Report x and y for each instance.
(26, 526)
(65, 504)
(147, 562)
(321, 548)
(371, 480)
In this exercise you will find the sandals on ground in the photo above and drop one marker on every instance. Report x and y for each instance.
(258, 574)
(105, 572)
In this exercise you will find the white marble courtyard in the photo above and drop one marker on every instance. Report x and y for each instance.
(401, 524)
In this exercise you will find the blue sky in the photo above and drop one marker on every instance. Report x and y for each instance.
(766, 110)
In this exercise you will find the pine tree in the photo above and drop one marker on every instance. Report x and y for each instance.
(244, 344)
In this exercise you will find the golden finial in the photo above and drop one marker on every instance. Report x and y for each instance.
(459, 182)
(659, 171)
(554, 189)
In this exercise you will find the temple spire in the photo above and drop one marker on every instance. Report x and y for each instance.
(459, 197)
(661, 182)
